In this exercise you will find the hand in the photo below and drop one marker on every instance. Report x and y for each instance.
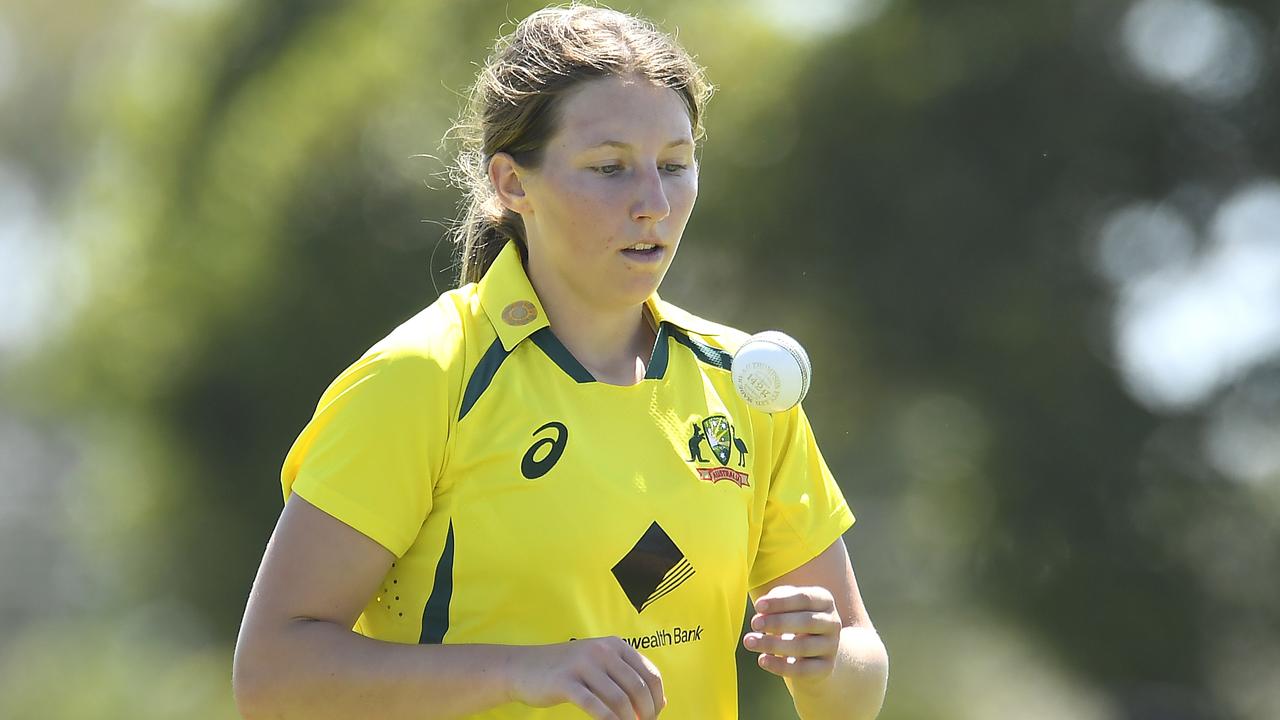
(605, 677)
(796, 632)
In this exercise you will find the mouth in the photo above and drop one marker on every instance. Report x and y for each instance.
(644, 251)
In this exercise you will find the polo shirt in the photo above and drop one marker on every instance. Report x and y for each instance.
(526, 503)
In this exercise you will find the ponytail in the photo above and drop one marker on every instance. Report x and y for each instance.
(483, 234)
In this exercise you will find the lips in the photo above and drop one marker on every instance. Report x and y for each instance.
(643, 245)
(644, 252)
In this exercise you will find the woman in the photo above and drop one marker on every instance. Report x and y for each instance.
(542, 491)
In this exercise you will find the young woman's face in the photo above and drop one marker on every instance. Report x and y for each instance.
(618, 176)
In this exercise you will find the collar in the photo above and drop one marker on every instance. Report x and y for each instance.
(664, 312)
(513, 308)
(508, 298)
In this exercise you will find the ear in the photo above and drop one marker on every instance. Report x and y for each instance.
(505, 174)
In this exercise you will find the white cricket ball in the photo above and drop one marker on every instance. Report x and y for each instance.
(771, 371)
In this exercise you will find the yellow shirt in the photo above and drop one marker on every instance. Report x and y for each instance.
(528, 504)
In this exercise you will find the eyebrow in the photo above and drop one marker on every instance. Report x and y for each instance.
(626, 146)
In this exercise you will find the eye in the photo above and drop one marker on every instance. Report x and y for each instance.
(674, 167)
(611, 169)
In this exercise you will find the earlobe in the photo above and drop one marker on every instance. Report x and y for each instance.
(504, 175)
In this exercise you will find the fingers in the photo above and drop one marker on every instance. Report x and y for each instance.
(787, 598)
(797, 667)
(623, 682)
(605, 677)
(636, 689)
(586, 699)
(790, 645)
(809, 623)
(796, 631)
(622, 692)
(648, 673)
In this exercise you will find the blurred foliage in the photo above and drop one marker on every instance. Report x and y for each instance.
(235, 199)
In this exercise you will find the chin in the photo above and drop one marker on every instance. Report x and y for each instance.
(633, 286)
(630, 294)
(632, 299)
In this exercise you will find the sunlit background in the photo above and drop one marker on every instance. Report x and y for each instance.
(1032, 247)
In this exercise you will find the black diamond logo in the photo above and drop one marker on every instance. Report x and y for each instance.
(653, 568)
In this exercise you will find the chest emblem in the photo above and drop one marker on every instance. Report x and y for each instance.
(653, 568)
(719, 436)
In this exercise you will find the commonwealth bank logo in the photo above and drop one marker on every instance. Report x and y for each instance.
(652, 569)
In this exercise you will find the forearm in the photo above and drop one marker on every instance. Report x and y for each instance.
(855, 689)
(319, 670)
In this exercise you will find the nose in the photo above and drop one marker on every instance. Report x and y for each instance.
(651, 197)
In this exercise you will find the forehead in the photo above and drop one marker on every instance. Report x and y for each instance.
(634, 111)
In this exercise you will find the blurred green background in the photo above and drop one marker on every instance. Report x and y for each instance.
(1032, 247)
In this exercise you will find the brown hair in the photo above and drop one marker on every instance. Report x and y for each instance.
(512, 106)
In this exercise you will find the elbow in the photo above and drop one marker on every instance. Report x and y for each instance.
(875, 674)
(867, 661)
(855, 690)
(247, 690)
(878, 661)
(272, 675)
(251, 686)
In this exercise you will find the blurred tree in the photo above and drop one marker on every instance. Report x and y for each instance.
(913, 188)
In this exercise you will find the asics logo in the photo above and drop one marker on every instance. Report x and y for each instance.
(531, 465)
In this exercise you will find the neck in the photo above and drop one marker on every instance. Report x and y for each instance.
(613, 344)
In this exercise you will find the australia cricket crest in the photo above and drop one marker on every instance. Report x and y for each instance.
(718, 434)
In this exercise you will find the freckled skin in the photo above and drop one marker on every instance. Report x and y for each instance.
(586, 203)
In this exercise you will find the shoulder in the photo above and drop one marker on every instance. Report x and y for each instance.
(436, 333)
(414, 372)
(423, 351)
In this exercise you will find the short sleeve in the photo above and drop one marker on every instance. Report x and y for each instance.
(805, 511)
(373, 451)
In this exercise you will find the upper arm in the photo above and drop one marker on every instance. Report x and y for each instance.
(832, 570)
(315, 568)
